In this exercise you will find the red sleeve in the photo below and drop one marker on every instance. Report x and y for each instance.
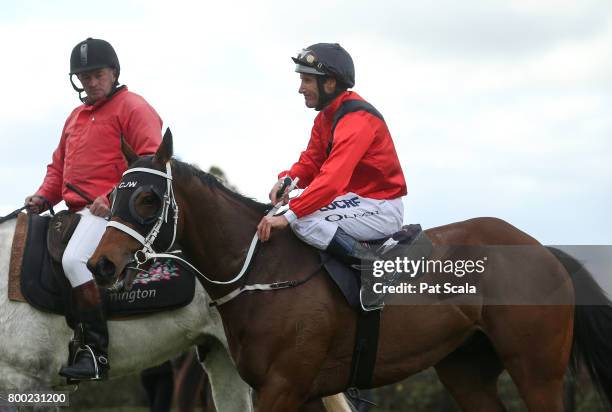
(310, 161)
(142, 130)
(51, 188)
(352, 138)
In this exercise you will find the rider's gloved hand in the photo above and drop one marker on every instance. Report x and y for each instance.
(35, 204)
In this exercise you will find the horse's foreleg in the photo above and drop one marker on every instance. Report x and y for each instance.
(284, 397)
(336, 403)
(315, 405)
(281, 397)
(230, 392)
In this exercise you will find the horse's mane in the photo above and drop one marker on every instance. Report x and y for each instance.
(183, 169)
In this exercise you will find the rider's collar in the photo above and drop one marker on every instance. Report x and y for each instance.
(100, 102)
(329, 110)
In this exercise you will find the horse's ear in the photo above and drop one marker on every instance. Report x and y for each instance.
(128, 152)
(164, 152)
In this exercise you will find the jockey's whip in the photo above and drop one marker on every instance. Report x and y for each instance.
(286, 183)
(16, 212)
(12, 215)
(79, 192)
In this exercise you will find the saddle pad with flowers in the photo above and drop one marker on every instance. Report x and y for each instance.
(39, 280)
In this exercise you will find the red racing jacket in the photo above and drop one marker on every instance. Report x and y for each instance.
(363, 160)
(89, 152)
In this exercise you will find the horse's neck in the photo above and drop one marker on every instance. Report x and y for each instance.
(218, 230)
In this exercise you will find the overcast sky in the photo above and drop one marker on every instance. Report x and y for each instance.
(497, 108)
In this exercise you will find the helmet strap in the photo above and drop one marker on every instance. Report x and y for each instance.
(325, 98)
(78, 89)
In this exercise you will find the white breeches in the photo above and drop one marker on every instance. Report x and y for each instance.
(360, 217)
(81, 246)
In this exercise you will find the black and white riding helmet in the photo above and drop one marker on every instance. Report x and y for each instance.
(91, 54)
(327, 59)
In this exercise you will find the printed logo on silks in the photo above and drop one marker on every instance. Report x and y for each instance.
(337, 217)
(341, 204)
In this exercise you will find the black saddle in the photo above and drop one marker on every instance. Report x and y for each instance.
(411, 242)
(162, 285)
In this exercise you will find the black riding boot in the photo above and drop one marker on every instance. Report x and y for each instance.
(89, 352)
(360, 255)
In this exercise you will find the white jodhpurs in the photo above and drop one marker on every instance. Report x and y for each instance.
(81, 246)
(360, 217)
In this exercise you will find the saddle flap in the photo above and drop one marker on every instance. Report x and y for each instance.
(61, 228)
(410, 242)
(345, 277)
(38, 285)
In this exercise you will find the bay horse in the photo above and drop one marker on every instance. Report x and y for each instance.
(295, 345)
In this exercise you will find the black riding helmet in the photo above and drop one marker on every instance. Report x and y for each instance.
(91, 54)
(327, 60)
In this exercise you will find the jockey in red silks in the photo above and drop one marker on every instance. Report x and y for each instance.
(89, 157)
(352, 178)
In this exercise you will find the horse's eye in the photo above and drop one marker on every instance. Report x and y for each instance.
(148, 200)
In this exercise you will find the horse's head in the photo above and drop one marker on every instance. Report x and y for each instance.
(144, 216)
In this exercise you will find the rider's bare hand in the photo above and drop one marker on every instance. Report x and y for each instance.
(268, 223)
(275, 188)
(100, 207)
(35, 204)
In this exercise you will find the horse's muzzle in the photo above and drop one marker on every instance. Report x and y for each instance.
(103, 270)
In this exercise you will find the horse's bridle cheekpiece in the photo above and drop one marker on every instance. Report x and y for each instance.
(144, 179)
(151, 231)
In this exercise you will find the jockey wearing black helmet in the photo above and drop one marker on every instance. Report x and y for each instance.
(327, 60)
(92, 54)
(89, 157)
(350, 171)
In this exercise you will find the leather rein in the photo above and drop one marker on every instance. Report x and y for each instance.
(169, 203)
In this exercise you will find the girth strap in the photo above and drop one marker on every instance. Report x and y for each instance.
(364, 353)
(263, 287)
